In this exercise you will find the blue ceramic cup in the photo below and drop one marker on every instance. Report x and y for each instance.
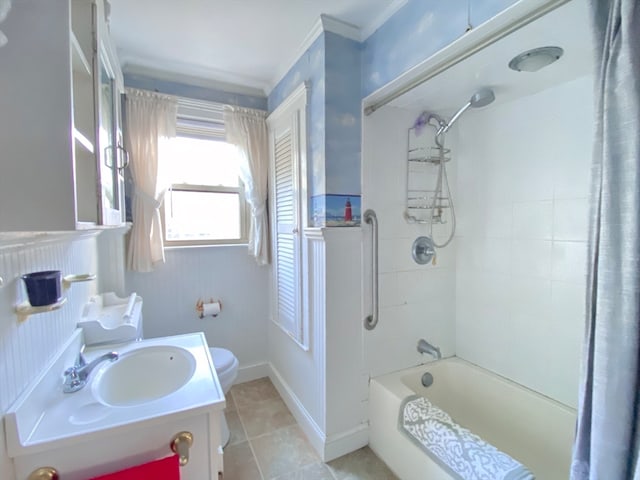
(43, 288)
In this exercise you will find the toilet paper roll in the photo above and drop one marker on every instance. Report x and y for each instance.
(211, 309)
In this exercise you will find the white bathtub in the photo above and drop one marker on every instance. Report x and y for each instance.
(535, 430)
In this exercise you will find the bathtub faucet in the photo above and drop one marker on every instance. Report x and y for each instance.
(426, 347)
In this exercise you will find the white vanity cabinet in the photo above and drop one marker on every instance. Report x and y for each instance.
(135, 446)
(60, 86)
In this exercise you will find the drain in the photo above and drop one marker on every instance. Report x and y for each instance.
(427, 380)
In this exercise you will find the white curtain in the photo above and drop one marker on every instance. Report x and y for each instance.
(150, 117)
(247, 130)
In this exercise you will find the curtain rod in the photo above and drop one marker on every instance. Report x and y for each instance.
(450, 61)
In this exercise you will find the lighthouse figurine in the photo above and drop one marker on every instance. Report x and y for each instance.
(348, 216)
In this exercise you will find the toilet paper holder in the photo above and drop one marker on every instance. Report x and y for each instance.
(212, 307)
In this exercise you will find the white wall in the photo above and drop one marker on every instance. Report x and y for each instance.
(225, 273)
(26, 348)
(326, 384)
(416, 301)
(523, 180)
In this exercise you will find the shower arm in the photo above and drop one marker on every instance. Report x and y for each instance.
(445, 126)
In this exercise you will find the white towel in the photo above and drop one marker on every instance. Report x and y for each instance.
(465, 455)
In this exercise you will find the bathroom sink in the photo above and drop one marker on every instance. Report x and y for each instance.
(143, 375)
(151, 383)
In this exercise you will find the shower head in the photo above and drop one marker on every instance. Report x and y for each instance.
(481, 98)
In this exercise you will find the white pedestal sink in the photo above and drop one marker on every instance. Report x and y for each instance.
(125, 415)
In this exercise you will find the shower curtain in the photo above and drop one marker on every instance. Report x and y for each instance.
(608, 432)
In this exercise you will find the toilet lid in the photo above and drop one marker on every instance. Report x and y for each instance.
(222, 358)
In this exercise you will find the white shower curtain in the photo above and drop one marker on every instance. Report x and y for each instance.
(607, 445)
(150, 117)
(247, 130)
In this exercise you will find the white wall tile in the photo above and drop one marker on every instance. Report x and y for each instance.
(388, 290)
(533, 220)
(520, 299)
(571, 219)
(531, 258)
(530, 296)
(415, 299)
(569, 262)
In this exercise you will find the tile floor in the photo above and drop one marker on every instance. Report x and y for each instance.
(266, 443)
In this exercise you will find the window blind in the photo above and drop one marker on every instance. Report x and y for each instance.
(200, 119)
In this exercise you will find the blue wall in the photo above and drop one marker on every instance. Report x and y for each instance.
(310, 68)
(341, 72)
(417, 31)
(332, 67)
(179, 89)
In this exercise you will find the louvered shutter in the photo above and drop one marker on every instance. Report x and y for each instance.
(287, 238)
(288, 207)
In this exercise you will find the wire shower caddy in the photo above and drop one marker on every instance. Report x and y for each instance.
(426, 203)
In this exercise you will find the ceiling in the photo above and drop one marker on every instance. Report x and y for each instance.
(451, 89)
(249, 43)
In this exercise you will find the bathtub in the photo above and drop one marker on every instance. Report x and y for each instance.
(533, 429)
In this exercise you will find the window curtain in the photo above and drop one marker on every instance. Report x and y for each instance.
(608, 432)
(247, 130)
(150, 117)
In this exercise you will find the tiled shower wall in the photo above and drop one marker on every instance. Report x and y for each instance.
(416, 301)
(27, 347)
(509, 293)
(523, 182)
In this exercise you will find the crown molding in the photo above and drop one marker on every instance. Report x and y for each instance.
(344, 29)
(385, 15)
(325, 23)
(193, 75)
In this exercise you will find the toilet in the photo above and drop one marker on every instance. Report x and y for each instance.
(226, 365)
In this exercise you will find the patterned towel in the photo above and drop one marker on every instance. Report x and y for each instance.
(463, 454)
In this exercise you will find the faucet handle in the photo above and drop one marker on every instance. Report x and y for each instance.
(72, 382)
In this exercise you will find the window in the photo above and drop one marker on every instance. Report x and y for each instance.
(205, 205)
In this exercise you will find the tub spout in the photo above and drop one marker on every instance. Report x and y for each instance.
(426, 347)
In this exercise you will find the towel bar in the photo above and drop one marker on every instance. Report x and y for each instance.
(180, 445)
(44, 473)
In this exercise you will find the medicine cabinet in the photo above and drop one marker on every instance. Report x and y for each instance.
(62, 156)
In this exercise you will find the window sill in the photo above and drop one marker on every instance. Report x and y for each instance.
(213, 245)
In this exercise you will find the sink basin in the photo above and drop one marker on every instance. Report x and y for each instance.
(143, 375)
(127, 413)
(157, 378)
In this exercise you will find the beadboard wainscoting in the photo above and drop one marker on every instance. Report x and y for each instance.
(325, 386)
(27, 347)
(224, 273)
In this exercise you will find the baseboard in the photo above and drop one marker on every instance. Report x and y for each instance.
(327, 448)
(345, 442)
(247, 373)
(310, 428)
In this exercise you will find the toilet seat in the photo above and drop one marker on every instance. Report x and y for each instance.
(223, 359)
(226, 365)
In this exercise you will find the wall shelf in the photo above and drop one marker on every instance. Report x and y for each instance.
(24, 309)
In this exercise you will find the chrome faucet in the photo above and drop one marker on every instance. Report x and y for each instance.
(426, 347)
(76, 377)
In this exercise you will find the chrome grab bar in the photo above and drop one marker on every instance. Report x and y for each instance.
(370, 217)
